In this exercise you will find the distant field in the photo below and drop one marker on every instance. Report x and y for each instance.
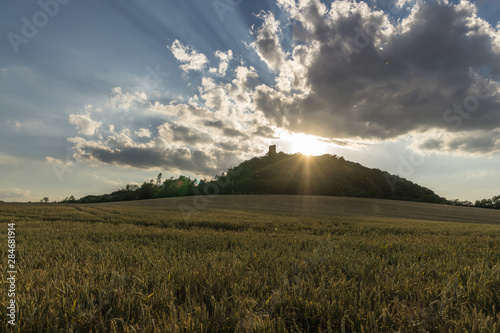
(254, 263)
(327, 205)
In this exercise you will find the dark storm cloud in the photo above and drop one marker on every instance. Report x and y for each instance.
(177, 133)
(432, 144)
(231, 132)
(214, 123)
(181, 158)
(471, 143)
(228, 146)
(226, 130)
(264, 131)
(369, 78)
(147, 157)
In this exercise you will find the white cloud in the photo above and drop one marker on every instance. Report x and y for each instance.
(84, 124)
(126, 100)
(12, 194)
(4, 160)
(143, 133)
(108, 181)
(25, 124)
(55, 161)
(267, 43)
(91, 108)
(189, 138)
(224, 58)
(190, 59)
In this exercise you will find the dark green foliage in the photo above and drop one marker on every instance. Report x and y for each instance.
(319, 175)
(181, 186)
(489, 203)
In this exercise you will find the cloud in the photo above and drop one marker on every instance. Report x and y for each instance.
(84, 124)
(182, 134)
(125, 100)
(190, 59)
(267, 43)
(346, 73)
(4, 159)
(14, 194)
(214, 123)
(143, 133)
(223, 64)
(466, 143)
(226, 130)
(185, 138)
(111, 182)
(265, 131)
(352, 72)
(55, 161)
(156, 154)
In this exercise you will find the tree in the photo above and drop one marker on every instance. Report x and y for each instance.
(158, 179)
(496, 201)
(45, 200)
(147, 191)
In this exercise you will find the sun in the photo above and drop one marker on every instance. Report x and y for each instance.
(307, 144)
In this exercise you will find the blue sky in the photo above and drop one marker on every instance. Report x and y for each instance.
(95, 95)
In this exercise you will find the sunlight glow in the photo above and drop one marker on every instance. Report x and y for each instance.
(308, 144)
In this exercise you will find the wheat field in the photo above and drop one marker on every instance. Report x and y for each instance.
(244, 264)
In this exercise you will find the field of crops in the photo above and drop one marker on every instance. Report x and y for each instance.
(243, 263)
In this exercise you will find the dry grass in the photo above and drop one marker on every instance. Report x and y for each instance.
(97, 268)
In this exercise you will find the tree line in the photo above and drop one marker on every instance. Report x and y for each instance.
(155, 188)
(292, 174)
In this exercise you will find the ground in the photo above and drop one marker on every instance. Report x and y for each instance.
(254, 263)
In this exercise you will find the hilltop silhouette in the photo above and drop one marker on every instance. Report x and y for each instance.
(280, 173)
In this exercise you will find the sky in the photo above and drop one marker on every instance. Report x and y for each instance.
(95, 95)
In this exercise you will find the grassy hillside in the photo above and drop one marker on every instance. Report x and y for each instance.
(150, 267)
(283, 174)
(319, 175)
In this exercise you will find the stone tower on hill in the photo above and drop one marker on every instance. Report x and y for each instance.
(272, 150)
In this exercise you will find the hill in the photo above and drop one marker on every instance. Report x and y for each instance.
(315, 175)
(280, 173)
